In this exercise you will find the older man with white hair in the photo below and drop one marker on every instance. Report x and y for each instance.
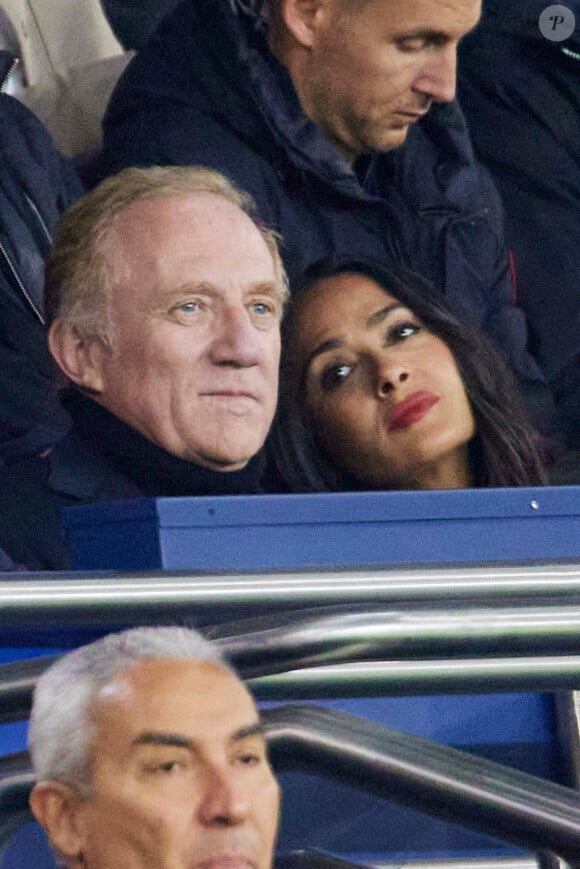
(164, 294)
(149, 754)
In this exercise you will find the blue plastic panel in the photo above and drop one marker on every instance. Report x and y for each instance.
(278, 531)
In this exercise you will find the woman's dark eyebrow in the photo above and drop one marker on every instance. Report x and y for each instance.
(331, 344)
(381, 315)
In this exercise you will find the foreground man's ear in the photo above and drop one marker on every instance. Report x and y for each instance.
(55, 805)
(79, 357)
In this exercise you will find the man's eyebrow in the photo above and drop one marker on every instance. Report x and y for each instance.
(205, 288)
(256, 729)
(381, 315)
(428, 34)
(184, 290)
(269, 288)
(176, 740)
(154, 737)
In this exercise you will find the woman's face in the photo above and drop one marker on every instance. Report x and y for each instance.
(384, 395)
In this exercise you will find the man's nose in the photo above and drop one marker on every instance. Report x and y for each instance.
(438, 78)
(236, 341)
(224, 798)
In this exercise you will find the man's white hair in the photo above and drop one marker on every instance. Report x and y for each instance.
(61, 732)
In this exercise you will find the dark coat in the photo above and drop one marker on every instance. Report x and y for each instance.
(36, 185)
(100, 459)
(521, 95)
(34, 490)
(133, 21)
(206, 90)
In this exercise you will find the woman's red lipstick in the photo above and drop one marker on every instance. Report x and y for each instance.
(412, 409)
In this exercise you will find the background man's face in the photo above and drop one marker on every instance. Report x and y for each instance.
(374, 69)
(195, 316)
(181, 778)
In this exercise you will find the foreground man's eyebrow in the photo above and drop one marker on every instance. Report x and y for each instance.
(256, 729)
(153, 737)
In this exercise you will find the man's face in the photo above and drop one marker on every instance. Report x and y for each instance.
(195, 315)
(180, 775)
(373, 69)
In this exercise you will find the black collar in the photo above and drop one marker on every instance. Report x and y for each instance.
(106, 458)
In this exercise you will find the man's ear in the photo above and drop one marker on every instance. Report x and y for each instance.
(302, 18)
(55, 806)
(80, 358)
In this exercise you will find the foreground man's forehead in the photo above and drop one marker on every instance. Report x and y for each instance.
(174, 682)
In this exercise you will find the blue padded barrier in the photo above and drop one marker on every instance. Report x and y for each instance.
(279, 531)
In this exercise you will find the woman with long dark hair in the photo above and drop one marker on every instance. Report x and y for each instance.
(383, 388)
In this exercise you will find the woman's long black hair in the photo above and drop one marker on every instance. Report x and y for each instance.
(506, 450)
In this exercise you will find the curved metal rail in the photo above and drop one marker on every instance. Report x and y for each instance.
(42, 601)
(350, 651)
(299, 639)
(441, 781)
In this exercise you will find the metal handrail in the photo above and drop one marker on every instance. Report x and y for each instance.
(419, 678)
(39, 601)
(299, 639)
(443, 782)
(390, 678)
(370, 651)
(440, 781)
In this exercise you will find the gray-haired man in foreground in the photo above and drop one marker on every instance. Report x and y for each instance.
(149, 754)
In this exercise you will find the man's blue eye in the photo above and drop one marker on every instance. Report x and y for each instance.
(189, 307)
(261, 308)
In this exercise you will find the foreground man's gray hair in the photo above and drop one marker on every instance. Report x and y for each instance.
(61, 731)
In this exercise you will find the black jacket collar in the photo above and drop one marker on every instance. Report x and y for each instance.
(105, 459)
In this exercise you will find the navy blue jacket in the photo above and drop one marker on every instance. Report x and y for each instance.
(521, 95)
(100, 459)
(36, 185)
(206, 89)
(133, 21)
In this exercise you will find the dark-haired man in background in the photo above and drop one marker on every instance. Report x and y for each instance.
(338, 116)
